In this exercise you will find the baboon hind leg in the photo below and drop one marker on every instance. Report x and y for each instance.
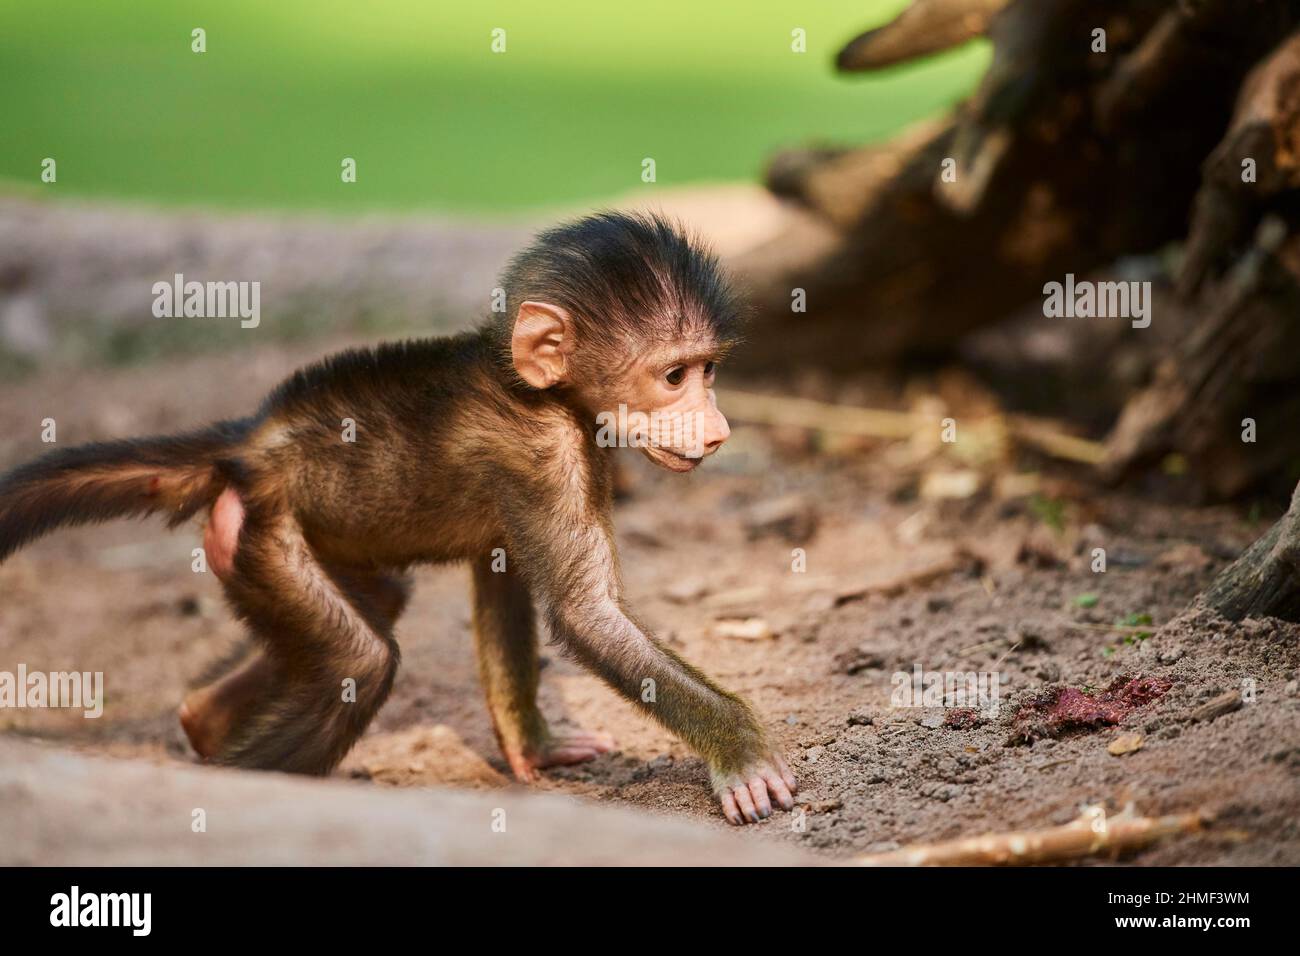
(381, 595)
(210, 712)
(237, 685)
(329, 652)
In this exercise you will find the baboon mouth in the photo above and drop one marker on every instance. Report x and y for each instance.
(670, 459)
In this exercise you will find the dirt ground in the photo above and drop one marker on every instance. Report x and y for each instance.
(995, 581)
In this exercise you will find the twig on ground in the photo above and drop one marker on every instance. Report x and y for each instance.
(959, 560)
(1091, 834)
(889, 424)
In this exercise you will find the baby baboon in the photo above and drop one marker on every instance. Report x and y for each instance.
(491, 447)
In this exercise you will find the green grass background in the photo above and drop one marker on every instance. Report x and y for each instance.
(435, 120)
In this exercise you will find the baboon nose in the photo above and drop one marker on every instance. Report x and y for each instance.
(718, 432)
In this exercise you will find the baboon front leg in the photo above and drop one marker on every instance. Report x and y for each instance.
(331, 655)
(505, 638)
(580, 593)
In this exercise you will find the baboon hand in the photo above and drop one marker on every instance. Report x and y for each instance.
(745, 795)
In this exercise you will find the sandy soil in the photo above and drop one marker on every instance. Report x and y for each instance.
(1018, 597)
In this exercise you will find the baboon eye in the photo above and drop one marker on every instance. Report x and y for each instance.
(676, 375)
(709, 369)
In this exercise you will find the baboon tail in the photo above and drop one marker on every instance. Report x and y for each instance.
(174, 475)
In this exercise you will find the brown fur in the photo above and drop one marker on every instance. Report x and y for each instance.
(454, 457)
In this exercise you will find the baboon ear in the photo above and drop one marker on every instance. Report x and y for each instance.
(541, 343)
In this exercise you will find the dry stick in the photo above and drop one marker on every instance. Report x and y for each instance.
(1048, 765)
(885, 423)
(1050, 441)
(981, 646)
(1090, 834)
(959, 560)
(1010, 651)
(823, 416)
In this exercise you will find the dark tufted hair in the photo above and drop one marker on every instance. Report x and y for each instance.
(623, 276)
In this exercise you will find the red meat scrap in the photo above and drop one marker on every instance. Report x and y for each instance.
(1064, 710)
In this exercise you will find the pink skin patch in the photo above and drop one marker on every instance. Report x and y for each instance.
(204, 716)
(1065, 709)
(221, 536)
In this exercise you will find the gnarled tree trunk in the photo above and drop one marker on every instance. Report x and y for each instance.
(1265, 580)
(1067, 159)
